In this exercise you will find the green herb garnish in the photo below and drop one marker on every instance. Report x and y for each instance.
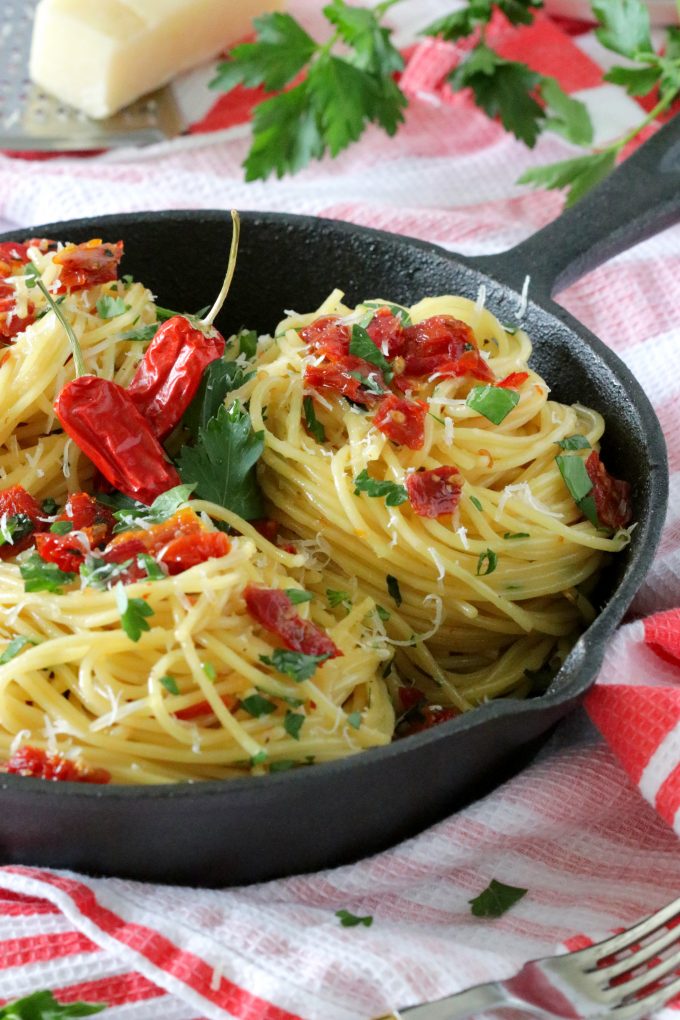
(133, 613)
(257, 706)
(313, 424)
(348, 920)
(293, 724)
(109, 307)
(393, 589)
(496, 899)
(486, 564)
(393, 493)
(493, 402)
(169, 683)
(297, 665)
(41, 576)
(15, 646)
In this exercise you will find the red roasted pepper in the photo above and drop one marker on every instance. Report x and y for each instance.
(169, 374)
(32, 761)
(102, 420)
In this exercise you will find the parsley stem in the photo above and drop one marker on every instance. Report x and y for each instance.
(75, 346)
(231, 267)
(662, 105)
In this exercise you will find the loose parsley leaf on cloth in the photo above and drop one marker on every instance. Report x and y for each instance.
(297, 665)
(624, 26)
(579, 175)
(218, 379)
(394, 494)
(281, 51)
(496, 899)
(566, 116)
(361, 346)
(41, 576)
(133, 613)
(479, 12)
(348, 920)
(222, 464)
(43, 1006)
(109, 307)
(15, 646)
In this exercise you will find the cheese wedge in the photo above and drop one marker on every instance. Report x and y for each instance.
(101, 55)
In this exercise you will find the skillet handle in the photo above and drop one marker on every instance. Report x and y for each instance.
(639, 199)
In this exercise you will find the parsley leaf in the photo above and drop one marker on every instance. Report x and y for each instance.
(282, 49)
(361, 346)
(247, 343)
(637, 81)
(383, 613)
(297, 595)
(292, 724)
(41, 576)
(338, 598)
(489, 561)
(360, 29)
(286, 134)
(348, 920)
(624, 26)
(133, 613)
(578, 482)
(579, 174)
(496, 899)
(222, 465)
(109, 307)
(141, 333)
(154, 570)
(394, 494)
(370, 381)
(504, 89)
(14, 528)
(169, 683)
(15, 646)
(283, 765)
(97, 573)
(162, 508)
(209, 671)
(61, 527)
(394, 590)
(257, 706)
(43, 1006)
(354, 720)
(566, 116)
(397, 311)
(297, 665)
(218, 379)
(313, 424)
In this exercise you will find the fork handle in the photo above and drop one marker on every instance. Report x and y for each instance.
(469, 1003)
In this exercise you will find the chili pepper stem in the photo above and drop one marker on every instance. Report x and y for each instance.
(231, 266)
(75, 346)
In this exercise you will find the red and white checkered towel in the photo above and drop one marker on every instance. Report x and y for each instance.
(573, 828)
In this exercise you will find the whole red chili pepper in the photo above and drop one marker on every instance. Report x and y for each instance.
(170, 372)
(168, 376)
(102, 420)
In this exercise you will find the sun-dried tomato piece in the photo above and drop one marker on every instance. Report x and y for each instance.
(32, 761)
(204, 708)
(86, 514)
(470, 363)
(67, 551)
(402, 421)
(267, 527)
(21, 513)
(123, 551)
(512, 381)
(84, 265)
(409, 698)
(10, 323)
(12, 257)
(274, 611)
(350, 377)
(611, 495)
(429, 716)
(434, 493)
(387, 333)
(189, 550)
(428, 344)
(327, 336)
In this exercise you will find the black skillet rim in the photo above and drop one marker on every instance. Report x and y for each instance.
(583, 662)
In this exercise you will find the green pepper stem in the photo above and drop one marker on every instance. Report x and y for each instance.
(231, 266)
(75, 346)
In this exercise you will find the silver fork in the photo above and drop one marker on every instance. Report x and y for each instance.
(620, 977)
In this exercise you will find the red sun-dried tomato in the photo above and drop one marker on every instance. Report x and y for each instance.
(512, 381)
(274, 611)
(86, 514)
(15, 502)
(402, 421)
(10, 323)
(84, 265)
(387, 333)
(409, 698)
(428, 344)
(611, 495)
(429, 716)
(434, 493)
(204, 708)
(346, 376)
(12, 257)
(67, 551)
(32, 761)
(470, 363)
(327, 336)
(189, 550)
(267, 527)
(125, 550)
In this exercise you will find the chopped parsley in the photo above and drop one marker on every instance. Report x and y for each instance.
(284, 765)
(338, 598)
(41, 576)
(313, 424)
(209, 671)
(109, 307)
(394, 589)
(97, 573)
(361, 346)
(354, 720)
(575, 442)
(370, 382)
(133, 613)
(487, 562)
(15, 646)
(475, 502)
(397, 311)
(578, 482)
(132, 513)
(297, 665)
(496, 899)
(516, 534)
(62, 527)
(493, 402)
(49, 506)
(169, 683)
(383, 613)
(292, 724)
(15, 528)
(394, 494)
(154, 570)
(259, 758)
(142, 334)
(247, 343)
(298, 596)
(257, 706)
(348, 920)
(43, 1006)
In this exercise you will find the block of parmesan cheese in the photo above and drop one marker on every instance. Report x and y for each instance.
(101, 55)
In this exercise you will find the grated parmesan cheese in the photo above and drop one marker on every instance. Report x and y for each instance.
(524, 298)
(462, 534)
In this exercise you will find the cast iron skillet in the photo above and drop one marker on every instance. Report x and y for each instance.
(253, 829)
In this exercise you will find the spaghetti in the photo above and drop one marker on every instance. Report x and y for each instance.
(412, 557)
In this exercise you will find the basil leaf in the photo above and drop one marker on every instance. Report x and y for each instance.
(493, 402)
(394, 494)
(292, 724)
(578, 482)
(296, 665)
(361, 346)
(574, 443)
(393, 589)
(313, 424)
(257, 706)
(15, 646)
(496, 899)
(487, 559)
(41, 576)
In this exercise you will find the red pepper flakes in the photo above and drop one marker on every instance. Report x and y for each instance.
(402, 421)
(433, 493)
(513, 381)
(32, 761)
(274, 611)
(611, 495)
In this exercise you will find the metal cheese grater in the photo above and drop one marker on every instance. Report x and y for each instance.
(32, 120)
